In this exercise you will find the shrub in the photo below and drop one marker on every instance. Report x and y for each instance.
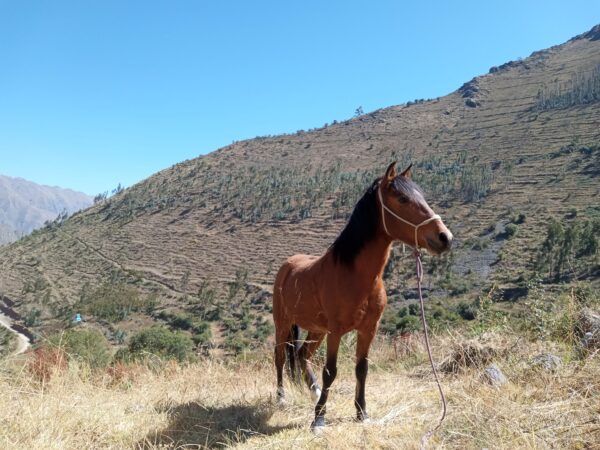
(32, 317)
(510, 230)
(408, 324)
(518, 219)
(454, 284)
(86, 345)
(159, 341)
(405, 320)
(7, 341)
(236, 342)
(45, 361)
(413, 309)
(201, 333)
(467, 311)
(114, 302)
(181, 322)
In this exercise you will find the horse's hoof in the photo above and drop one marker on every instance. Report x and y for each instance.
(281, 401)
(363, 417)
(318, 425)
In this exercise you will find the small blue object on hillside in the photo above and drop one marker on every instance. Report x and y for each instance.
(77, 318)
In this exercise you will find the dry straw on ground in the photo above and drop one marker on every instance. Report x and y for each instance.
(216, 404)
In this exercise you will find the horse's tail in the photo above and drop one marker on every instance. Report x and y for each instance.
(292, 347)
(292, 340)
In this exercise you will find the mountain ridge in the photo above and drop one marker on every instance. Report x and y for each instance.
(25, 205)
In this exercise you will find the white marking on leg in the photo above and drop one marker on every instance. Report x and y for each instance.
(315, 393)
(280, 396)
(318, 430)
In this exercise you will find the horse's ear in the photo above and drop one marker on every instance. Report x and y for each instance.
(390, 173)
(407, 173)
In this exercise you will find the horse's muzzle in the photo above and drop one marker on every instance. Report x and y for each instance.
(442, 244)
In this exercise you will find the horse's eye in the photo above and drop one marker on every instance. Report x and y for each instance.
(403, 198)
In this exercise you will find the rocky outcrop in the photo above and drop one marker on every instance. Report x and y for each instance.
(546, 361)
(589, 328)
(494, 376)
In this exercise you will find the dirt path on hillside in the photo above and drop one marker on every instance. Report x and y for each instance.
(23, 342)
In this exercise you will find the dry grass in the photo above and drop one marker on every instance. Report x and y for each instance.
(215, 404)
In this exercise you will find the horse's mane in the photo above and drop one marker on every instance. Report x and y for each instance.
(360, 229)
(362, 226)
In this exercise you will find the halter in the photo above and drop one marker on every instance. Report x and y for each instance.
(416, 227)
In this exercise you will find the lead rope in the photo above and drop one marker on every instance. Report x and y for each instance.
(417, 253)
(428, 434)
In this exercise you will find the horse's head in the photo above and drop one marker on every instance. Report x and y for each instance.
(407, 217)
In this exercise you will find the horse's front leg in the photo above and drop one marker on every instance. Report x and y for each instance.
(365, 338)
(329, 373)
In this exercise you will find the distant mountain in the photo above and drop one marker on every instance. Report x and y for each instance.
(25, 206)
(7, 234)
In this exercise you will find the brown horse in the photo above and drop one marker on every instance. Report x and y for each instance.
(343, 290)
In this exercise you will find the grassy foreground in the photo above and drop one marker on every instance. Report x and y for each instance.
(230, 403)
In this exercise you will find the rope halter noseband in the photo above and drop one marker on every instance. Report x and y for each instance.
(416, 227)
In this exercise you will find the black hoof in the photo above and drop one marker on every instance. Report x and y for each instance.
(362, 416)
(318, 424)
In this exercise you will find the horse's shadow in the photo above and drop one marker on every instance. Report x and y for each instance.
(195, 426)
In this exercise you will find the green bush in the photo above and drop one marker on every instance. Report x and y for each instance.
(7, 341)
(413, 309)
(32, 318)
(518, 219)
(467, 311)
(86, 345)
(237, 343)
(201, 333)
(159, 341)
(454, 284)
(114, 302)
(401, 321)
(408, 324)
(181, 322)
(510, 230)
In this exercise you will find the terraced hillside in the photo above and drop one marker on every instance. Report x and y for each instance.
(499, 158)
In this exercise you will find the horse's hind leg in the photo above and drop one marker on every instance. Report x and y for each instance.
(310, 345)
(281, 335)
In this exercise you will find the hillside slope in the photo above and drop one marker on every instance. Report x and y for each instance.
(25, 206)
(517, 140)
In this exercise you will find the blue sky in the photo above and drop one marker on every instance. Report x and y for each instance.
(96, 93)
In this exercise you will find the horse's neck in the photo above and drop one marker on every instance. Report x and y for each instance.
(371, 260)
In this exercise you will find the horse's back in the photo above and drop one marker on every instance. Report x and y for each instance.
(301, 261)
(294, 264)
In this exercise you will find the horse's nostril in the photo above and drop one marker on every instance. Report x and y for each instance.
(444, 238)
